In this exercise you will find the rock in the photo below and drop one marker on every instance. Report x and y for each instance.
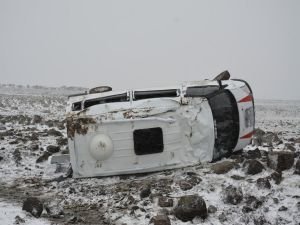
(53, 132)
(257, 137)
(37, 119)
(53, 149)
(253, 154)
(232, 195)
(160, 220)
(246, 209)
(145, 191)
(222, 217)
(165, 202)
(1, 158)
(189, 182)
(184, 185)
(297, 167)
(19, 220)
(43, 157)
(34, 147)
(33, 206)
(17, 156)
(263, 183)
(237, 177)
(189, 207)
(34, 136)
(269, 138)
(253, 167)
(54, 209)
(211, 209)
(283, 208)
(280, 161)
(297, 140)
(276, 176)
(253, 202)
(62, 141)
(223, 167)
(290, 147)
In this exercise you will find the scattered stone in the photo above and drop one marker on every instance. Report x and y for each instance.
(43, 157)
(276, 176)
(76, 219)
(53, 149)
(283, 208)
(34, 147)
(53, 132)
(232, 195)
(211, 209)
(17, 156)
(237, 177)
(19, 220)
(297, 169)
(280, 161)
(189, 207)
(246, 209)
(263, 183)
(223, 167)
(33, 206)
(253, 202)
(165, 202)
(253, 154)
(222, 217)
(160, 220)
(34, 136)
(275, 200)
(184, 185)
(269, 138)
(54, 209)
(145, 191)
(297, 140)
(290, 147)
(37, 119)
(62, 141)
(253, 167)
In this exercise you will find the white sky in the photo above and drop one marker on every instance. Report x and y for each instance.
(130, 44)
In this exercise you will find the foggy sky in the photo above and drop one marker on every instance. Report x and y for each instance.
(131, 44)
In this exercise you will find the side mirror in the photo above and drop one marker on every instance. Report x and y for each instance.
(223, 76)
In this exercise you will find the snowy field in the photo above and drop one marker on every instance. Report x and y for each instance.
(244, 189)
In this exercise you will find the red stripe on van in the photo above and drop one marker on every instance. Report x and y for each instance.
(249, 135)
(246, 99)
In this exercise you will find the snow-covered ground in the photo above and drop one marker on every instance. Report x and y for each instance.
(31, 122)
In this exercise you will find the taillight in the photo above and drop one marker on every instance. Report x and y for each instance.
(248, 98)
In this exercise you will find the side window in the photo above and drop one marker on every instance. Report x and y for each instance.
(107, 99)
(138, 95)
(201, 91)
(148, 141)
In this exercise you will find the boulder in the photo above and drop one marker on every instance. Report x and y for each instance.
(165, 202)
(62, 141)
(211, 209)
(33, 206)
(276, 176)
(253, 167)
(253, 154)
(263, 183)
(53, 132)
(297, 169)
(145, 191)
(232, 195)
(160, 220)
(281, 160)
(53, 149)
(43, 157)
(189, 207)
(223, 167)
(37, 119)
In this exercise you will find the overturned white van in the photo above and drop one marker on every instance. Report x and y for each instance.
(136, 131)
